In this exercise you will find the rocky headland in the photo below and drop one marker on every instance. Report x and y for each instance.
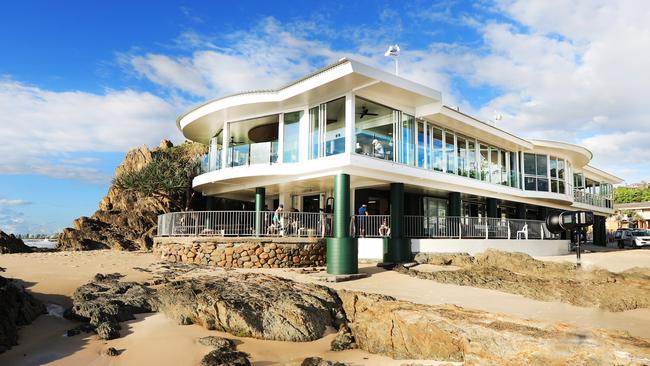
(9, 243)
(17, 308)
(147, 183)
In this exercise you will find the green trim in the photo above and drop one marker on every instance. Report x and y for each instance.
(342, 250)
(397, 249)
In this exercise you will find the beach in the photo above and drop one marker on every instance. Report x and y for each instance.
(155, 339)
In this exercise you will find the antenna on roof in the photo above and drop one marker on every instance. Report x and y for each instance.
(393, 51)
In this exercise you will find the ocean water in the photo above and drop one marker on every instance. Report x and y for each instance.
(40, 243)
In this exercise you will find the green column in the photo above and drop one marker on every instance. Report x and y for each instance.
(342, 250)
(260, 197)
(491, 207)
(454, 204)
(397, 248)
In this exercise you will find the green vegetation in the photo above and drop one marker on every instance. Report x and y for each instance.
(631, 194)
(168, 176)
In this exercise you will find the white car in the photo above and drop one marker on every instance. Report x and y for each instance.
(636, 238)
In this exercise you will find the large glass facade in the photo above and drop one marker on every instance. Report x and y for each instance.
(484, 162)
(495, 169)
(461, 155)
(471, 159)
(374, 129)
(253, 141)
(421, 144)
(557, 172)
(291, 138)
(314, 134)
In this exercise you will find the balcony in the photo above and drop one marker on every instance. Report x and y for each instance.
(580, 196)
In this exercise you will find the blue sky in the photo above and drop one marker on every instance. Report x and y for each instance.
(82, 82)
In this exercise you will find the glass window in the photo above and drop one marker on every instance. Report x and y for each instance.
(536, 172)
(503, 159)
(461, 155)
(495, 170)
(291, 136)
(335, 127)
(471, 158)
(374, 129)
(314, 150)
(253, 141)
(421, 144)
(514, 171)
(408, 139)
(436, 147)
(484, 162)
(450, 152)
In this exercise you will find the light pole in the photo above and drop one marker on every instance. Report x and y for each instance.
(393, 51)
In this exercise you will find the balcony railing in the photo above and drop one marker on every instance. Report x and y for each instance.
(591, 199)
(242, 223)
(249, 154)
(451, 227)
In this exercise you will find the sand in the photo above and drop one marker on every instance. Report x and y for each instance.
(154, 339)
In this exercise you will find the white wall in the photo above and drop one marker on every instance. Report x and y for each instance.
(372, 248)
(473, 246)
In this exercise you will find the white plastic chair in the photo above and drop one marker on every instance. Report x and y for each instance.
(523, 231)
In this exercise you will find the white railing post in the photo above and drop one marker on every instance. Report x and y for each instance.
(508, 229)
(486, 227)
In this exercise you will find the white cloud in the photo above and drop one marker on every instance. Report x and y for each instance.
(39, 127)
(13, 202)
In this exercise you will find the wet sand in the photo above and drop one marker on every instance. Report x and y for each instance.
(154, 339)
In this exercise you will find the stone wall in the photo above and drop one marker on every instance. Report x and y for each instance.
(241, 252)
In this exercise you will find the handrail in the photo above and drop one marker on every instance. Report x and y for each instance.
(242, 223)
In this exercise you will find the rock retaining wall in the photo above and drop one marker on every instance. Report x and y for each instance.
(242, 252)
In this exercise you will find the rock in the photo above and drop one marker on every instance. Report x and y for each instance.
(9, 243)
(225, 358)
(317, 361)
(105, 302)
(403, 330)
(343, 340)
(253, 305)
(17, 308)
(127, 219)
(111, 351)
(521, 274)
(165, 144)
(219, 343)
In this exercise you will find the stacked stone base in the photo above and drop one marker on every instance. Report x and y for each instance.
(241, 252)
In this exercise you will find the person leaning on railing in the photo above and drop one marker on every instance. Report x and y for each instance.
(384, 229)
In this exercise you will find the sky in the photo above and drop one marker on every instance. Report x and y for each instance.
(81, 82)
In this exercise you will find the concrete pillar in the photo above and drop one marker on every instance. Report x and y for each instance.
(600, 231)
(521, 210)
(491, 207)
(454, 204)
(342, 250)
(260, 197)
(397, 249)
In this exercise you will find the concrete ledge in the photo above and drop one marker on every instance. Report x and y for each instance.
(340, 278)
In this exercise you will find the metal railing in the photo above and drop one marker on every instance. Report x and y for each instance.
(370, 226)
(591, 199)
(451, 227)
(242, 223)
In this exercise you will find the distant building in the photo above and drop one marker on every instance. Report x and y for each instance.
(633, 214)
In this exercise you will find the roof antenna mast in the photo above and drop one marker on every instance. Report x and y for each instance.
(393, 51)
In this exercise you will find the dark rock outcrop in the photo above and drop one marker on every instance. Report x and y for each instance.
(9, 243)
(220, 343)
(317, 361)
(105, 302)
(127, 219)
(219, 357)
(253, 305)
(343, 340)
(17, 307)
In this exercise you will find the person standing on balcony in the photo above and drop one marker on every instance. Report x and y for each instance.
(278, 219)
(363, 213)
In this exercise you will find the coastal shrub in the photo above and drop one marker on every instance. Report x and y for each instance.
(168, 176)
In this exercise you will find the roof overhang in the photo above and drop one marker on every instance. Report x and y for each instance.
(602, 176)
(578, 155)
(203, 121)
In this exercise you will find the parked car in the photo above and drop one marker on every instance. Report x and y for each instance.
(635, 238)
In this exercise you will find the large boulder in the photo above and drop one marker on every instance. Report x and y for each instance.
(9, 243)
(253, 305)
(127, 219)
(105, 302)
(17, 307)
(403, 330)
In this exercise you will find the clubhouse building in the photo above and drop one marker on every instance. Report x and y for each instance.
(431, 177)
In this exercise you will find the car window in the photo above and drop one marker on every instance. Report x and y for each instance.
(618, 234)
(641, 233)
